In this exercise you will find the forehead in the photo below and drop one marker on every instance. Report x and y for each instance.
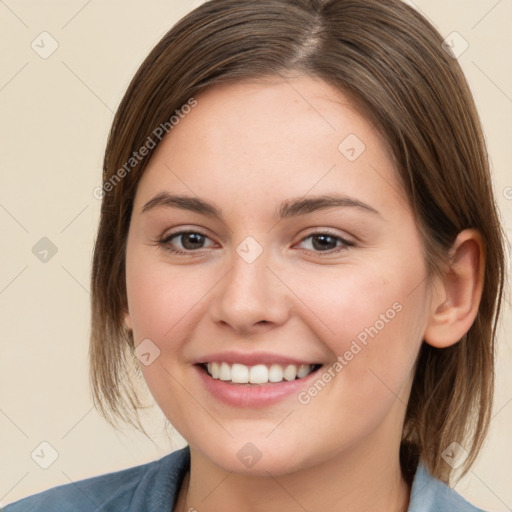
(271, 137)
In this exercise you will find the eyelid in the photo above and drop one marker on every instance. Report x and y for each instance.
(182, 231)
(330, 232)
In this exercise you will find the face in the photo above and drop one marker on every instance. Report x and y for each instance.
(270, 278)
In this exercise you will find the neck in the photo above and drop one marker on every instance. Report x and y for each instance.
(359, 480)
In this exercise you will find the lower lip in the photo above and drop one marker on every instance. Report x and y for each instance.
(252, 395)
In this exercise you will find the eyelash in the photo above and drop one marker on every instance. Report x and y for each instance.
(165, 242)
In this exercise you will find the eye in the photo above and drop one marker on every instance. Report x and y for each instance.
(325, 242)
(190, 241)
(193, 241)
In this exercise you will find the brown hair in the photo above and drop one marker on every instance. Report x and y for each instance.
(391, 63)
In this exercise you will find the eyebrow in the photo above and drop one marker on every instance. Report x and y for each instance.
(289, 208)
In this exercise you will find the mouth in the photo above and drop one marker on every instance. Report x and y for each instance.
(260, 374)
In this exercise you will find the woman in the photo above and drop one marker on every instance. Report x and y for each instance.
(299, 250)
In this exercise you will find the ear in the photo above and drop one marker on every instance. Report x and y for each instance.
(127, 319)
(455, 304)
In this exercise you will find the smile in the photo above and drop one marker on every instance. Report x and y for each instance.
(237, 373)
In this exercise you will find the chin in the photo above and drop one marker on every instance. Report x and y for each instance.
(257, 459)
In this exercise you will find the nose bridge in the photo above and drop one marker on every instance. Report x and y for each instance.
(250, 293)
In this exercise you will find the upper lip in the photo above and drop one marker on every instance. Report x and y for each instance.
(252, 358)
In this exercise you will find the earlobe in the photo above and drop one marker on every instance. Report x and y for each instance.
(127, 321)
(455, 308)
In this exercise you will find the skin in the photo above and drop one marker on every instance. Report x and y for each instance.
(340, 451)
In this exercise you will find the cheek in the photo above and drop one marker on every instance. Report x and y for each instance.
(162, 302)
(375, 346)
(348, 300)
(372, 321)
(161, 296)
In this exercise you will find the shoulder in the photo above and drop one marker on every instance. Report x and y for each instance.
(428, 494)
(151, 487)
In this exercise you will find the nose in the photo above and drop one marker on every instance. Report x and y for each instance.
(251, 298)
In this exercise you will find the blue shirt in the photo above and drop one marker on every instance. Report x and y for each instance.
(154, 487)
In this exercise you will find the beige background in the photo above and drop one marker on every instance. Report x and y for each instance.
(55, 116)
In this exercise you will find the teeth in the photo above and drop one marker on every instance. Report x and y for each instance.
(303, 371)
(275, 373)
(290, 372)
(258, 374)
(239, 373)
(224, 372)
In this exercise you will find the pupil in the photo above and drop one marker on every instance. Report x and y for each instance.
(196, 239)
(323, 245)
